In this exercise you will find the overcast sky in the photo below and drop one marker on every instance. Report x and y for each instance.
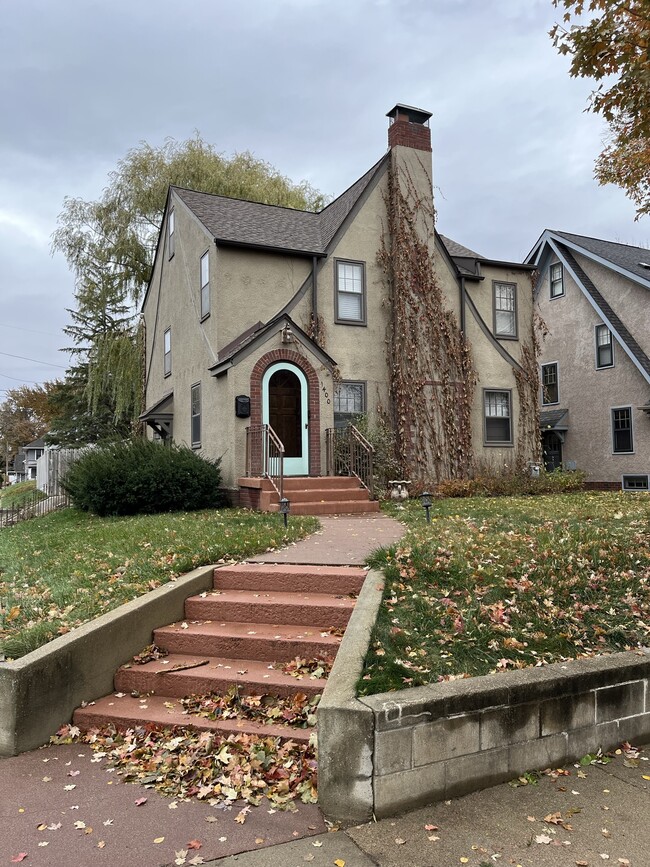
(304, 84)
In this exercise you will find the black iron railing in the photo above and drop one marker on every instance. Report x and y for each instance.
(32, 505)
(348, 453)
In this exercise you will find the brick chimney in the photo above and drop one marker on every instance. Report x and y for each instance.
(409, 127)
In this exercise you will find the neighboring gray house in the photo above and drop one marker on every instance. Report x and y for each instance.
(594, 297)
(261, 315)
(32, 452)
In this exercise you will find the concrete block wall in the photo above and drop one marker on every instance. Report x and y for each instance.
(431, 743)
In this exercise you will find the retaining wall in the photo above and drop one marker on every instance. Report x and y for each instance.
(40, 691)
(385, 754)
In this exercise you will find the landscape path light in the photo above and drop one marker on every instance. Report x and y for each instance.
(285, 507)
(426, 504)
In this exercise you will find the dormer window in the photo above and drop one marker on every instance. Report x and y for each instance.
(557, 280)
(171, 220)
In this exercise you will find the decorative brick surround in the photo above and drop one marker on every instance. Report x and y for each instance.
(313, 385)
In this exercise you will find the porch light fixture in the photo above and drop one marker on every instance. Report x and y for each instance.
(426, 504)
(285, 507)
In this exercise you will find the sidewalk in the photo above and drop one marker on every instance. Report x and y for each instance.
(595, 819)
(62, 807)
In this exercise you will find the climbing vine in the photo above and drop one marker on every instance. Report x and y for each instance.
(432, 378)
(529, 446)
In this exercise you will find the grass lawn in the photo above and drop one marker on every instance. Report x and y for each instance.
(18, 495)
(64, 569)
(510, 582)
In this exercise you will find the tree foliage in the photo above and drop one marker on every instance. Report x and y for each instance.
(25, 415)
(608, 40)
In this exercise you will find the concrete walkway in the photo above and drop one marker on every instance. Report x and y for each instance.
(62, 807)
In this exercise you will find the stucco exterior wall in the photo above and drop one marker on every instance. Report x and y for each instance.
(589, 393)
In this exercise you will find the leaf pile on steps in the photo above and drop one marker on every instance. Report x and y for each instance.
(312, 668)
(184, 763)
(150, 653)
(298, 710)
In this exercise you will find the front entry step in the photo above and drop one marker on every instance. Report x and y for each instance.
(318, 495)
(264, 630)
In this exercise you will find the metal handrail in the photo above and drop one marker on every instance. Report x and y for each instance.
(265, 455)
(348, 453)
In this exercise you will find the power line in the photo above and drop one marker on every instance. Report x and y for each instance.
(35, 360)
(29, 330)
(18, 379)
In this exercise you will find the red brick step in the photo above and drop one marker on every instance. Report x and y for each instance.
(282, 576)
(270, 606)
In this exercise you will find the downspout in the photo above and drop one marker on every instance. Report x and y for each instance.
(462, 305)
(314, 292)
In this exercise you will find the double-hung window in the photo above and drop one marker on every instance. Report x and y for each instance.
(505, 309)
(196, 415)
(349, 402)
(622, 441)
(171, 221)
(498, 427)
(205, 285)
(167, 352)
(557, 280)
(550, 385)
(604, 347)
(350, 292)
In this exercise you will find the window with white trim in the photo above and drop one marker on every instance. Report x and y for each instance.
(604, 347)
(167, 352)
(171, 225)
(349, 402)
(350, 292)
(622, 441)
(550, 384)
(205, 285)
(557, 280)
(195, 413)
(497, 417)
(505, 309)
(636, 483)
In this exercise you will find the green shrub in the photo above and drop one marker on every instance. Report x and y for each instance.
(143, 477)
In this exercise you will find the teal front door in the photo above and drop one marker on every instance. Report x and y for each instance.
(285, 408)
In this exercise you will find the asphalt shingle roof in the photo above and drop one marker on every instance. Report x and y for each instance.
(456, 249)
(623, 255)
(552, 418)
(237, 221)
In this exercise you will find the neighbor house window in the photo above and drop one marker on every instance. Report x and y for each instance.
(349, 402)
(557, 280)
(205, 285)
(622, 429)
(350, 292)
(550, 389)
(505, 309)
(167, 352)
(635, 483)
(604, 347)
(498, 428)
(196, 415)
(171, 221)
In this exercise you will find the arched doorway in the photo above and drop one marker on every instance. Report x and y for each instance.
(285, 407)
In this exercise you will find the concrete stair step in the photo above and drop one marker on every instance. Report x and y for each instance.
(212, 675)
(270, 606)
(330, 507)
(165, 712)
(262, 641)
(297, 579)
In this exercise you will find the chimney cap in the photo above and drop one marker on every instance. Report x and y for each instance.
(415, 115)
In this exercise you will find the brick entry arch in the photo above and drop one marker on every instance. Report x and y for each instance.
(313, 385)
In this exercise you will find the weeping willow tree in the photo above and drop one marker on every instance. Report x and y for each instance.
(109, 245)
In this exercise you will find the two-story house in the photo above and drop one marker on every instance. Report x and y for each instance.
(594, 298)
(266, 324)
